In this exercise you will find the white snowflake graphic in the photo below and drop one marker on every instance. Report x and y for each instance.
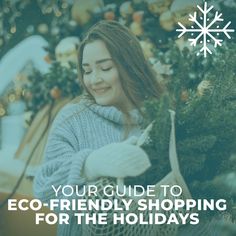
(205, 31)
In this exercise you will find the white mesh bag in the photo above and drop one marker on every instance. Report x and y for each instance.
(174, 177)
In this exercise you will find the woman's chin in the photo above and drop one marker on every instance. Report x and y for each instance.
(102, 102)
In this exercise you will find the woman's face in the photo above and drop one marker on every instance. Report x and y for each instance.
(101, 77)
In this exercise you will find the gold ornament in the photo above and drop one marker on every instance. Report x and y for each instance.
(57, 13)
(181, 10)
(67, 51)
(147, 47)
(18, 92)
(64, 5)
(157, 7)
(12, 97)
(136, 28)
(48, 59)
(55, 92)
(138, 16)
(109, 15)
(167, 21)
(126, 9)
(184, 96)
(203, 87)
(2, 111)
(13, 29)
(82, 10)
(43, 28)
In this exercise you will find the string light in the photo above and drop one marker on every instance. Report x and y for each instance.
(58, 13)
(64, 5)
(13, 29)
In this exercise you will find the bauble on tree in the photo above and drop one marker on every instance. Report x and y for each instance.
(67, 51)
(55, 93)
(82, 10)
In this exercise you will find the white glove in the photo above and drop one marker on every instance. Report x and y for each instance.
(117, 160)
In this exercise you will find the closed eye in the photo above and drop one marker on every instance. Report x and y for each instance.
(87, 72)
(90, 71)
(106, 69)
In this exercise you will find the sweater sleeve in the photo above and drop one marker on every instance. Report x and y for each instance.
(63, 160)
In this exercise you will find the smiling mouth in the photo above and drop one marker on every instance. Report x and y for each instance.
(100, 90)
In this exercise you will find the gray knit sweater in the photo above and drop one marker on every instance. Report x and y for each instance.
(77, 130)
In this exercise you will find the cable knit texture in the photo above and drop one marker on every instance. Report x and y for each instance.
(78, 129)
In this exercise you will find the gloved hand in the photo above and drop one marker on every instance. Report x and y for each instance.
(117, 160)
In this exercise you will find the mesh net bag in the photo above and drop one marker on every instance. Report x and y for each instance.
(174, 177)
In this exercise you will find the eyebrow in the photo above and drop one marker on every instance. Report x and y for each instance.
(98, 61)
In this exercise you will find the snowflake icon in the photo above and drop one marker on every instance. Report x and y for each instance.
(205, 32)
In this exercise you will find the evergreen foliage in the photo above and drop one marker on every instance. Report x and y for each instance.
(59, 82)
(205, 124)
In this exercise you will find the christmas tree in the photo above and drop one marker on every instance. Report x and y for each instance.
(203, 94)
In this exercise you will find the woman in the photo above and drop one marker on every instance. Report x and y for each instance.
(91, 138)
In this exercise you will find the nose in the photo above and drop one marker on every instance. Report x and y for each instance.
(95, 77)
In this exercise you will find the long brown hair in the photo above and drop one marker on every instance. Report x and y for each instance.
(138, 80)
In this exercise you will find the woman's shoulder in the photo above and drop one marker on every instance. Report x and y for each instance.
(75, 108)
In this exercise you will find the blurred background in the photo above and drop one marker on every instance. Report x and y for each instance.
(38, 75)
